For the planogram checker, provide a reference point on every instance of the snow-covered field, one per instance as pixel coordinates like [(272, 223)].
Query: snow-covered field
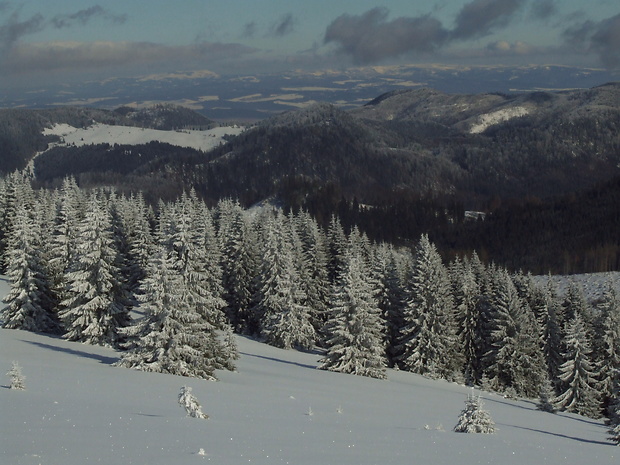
[(593, 284), (78, 409), (128, 135)]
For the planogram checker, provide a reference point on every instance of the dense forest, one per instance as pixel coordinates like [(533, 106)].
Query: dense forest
[(167, 284)]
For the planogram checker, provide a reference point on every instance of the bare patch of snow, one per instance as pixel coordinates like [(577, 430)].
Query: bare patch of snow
[(487, 120)]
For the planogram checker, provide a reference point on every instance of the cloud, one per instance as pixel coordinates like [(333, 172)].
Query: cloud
[(14, 29), (543, 9), (284, 26), (606, 42), (370, 37), (602, 38), (479, 17), (504, 48), (249, 30), (79, 57), (84, 16)]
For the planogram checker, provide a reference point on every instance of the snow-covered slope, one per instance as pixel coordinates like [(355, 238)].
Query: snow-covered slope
[(77, 409), (499, 116), (128, 135)]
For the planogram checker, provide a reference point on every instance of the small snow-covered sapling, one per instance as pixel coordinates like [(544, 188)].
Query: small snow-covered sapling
[(17, 378), (190, 403)]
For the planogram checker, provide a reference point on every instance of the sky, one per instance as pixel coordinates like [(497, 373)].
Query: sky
[(68, 40)]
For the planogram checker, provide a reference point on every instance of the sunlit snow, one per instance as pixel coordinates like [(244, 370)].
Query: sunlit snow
[(78, 409), (485, 121), (129, 135)]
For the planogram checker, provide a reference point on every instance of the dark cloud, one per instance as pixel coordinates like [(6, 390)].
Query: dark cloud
[(14, 29), (370, 37), (606, 42), (479, 17), (543, 9), (249, 30), (83, 16), (284, 26), (601, 38)]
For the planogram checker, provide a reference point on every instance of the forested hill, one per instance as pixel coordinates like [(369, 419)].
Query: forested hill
[(408, 162), (21, 131)]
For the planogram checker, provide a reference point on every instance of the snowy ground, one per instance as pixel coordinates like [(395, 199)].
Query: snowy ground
[(128, 135), (77, 409), (593, 284), (496, 117)]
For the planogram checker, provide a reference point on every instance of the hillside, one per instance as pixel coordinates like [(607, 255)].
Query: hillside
[(77, 409)]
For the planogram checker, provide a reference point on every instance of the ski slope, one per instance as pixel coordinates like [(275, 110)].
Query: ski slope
[(277, 409)]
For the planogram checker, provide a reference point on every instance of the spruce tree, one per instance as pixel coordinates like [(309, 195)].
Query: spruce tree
[(30, 302), (284, 316), (579, 393), (17, 377), (96, 303), (427, 341), (473, 418), (354, 329), (172, 337)]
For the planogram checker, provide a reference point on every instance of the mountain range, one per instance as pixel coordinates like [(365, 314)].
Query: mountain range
[(418, 150)]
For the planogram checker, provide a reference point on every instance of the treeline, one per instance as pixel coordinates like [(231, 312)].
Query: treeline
[(80, 261)]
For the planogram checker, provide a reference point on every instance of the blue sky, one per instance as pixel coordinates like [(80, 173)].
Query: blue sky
[(71, 39)]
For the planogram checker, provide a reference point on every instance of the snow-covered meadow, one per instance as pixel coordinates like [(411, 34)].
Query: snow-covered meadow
[(277, 408), (129, 135)]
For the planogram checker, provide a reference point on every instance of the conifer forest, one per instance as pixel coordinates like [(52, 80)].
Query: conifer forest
[(168, 284)]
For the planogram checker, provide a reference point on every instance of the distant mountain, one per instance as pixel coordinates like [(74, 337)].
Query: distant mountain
[(257, 97)]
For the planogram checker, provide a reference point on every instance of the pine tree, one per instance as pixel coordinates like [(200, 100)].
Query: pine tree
[(17, 378), (579, 381), (30, 305), (473, 419), (191, 405), (285, 319), (514, 360), (354, 330), (239, 267), (427, 341), (607, 339), (172, 337), (96, 304), (545, 397), (466, 293)]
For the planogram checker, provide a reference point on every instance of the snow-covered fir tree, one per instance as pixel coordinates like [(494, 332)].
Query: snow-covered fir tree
[(514, 360), (238, 265), (95, 306), (172, 337), (30, 303), (284, 316), (546, 396), (466, 292), (355, 329), (473, 418), (579, 394), (191, 405), (607, 342), (18, 380), (427, 342)]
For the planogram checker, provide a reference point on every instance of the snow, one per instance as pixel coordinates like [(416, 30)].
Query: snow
[(78, 409), (129, 135), (593, 284), (485, 121)]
